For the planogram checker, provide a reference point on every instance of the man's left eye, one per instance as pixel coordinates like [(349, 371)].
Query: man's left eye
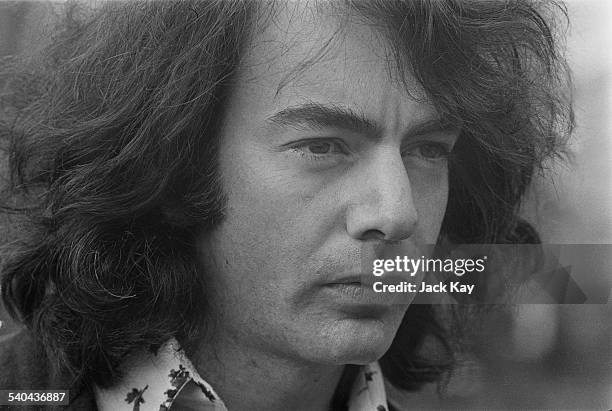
[(430, 151)]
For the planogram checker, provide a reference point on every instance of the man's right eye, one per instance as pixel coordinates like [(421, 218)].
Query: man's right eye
[(320, 149)]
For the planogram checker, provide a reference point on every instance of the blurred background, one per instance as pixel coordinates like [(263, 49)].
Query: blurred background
[(528, 356)]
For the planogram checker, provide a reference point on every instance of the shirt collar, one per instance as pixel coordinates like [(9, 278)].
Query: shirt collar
[(167, 380)]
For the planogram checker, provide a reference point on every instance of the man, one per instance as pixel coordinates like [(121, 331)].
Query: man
[(206, 180)]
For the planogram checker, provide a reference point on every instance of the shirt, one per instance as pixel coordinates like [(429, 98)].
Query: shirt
[(167, 380)]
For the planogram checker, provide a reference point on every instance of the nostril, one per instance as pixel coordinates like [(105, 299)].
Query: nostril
[(373, 235)]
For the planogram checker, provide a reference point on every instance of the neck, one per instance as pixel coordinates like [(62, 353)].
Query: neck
[(247, 379)]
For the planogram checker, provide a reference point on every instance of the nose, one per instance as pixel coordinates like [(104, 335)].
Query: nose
[(383, 207)]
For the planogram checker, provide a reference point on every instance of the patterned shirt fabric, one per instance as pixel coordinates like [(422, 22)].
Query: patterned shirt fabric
[(168, 381)]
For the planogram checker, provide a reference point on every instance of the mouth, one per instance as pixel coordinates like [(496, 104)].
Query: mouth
[(356, 300), (356, 292), (367, 280), (349, 280), (355, 280), (362, 293)]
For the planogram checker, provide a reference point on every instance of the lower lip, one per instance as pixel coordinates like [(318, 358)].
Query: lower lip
[(357, 294)]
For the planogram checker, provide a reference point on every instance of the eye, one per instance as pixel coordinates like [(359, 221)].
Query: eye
[(430, 151), (320, 148)]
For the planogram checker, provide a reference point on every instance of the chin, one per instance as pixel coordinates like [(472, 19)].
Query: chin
[(358, 342)]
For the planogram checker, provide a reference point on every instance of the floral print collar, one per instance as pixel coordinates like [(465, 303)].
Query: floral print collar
[(168, 381)]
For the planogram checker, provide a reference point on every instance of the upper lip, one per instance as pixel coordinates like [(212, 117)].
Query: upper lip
[(347, 280), (353, 279), (367, 279)]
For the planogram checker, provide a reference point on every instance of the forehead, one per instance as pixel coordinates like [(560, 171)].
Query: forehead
[(323, 53)]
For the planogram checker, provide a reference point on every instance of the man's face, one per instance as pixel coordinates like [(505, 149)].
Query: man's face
[(323, 158)]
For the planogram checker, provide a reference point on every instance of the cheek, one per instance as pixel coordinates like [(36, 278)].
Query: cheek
[(260, 211), (430, 195)]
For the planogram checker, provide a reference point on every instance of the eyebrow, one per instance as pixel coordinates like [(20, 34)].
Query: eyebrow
[(317, 116)]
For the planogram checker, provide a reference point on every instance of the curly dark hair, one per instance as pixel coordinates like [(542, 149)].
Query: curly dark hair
[(111, 132)]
